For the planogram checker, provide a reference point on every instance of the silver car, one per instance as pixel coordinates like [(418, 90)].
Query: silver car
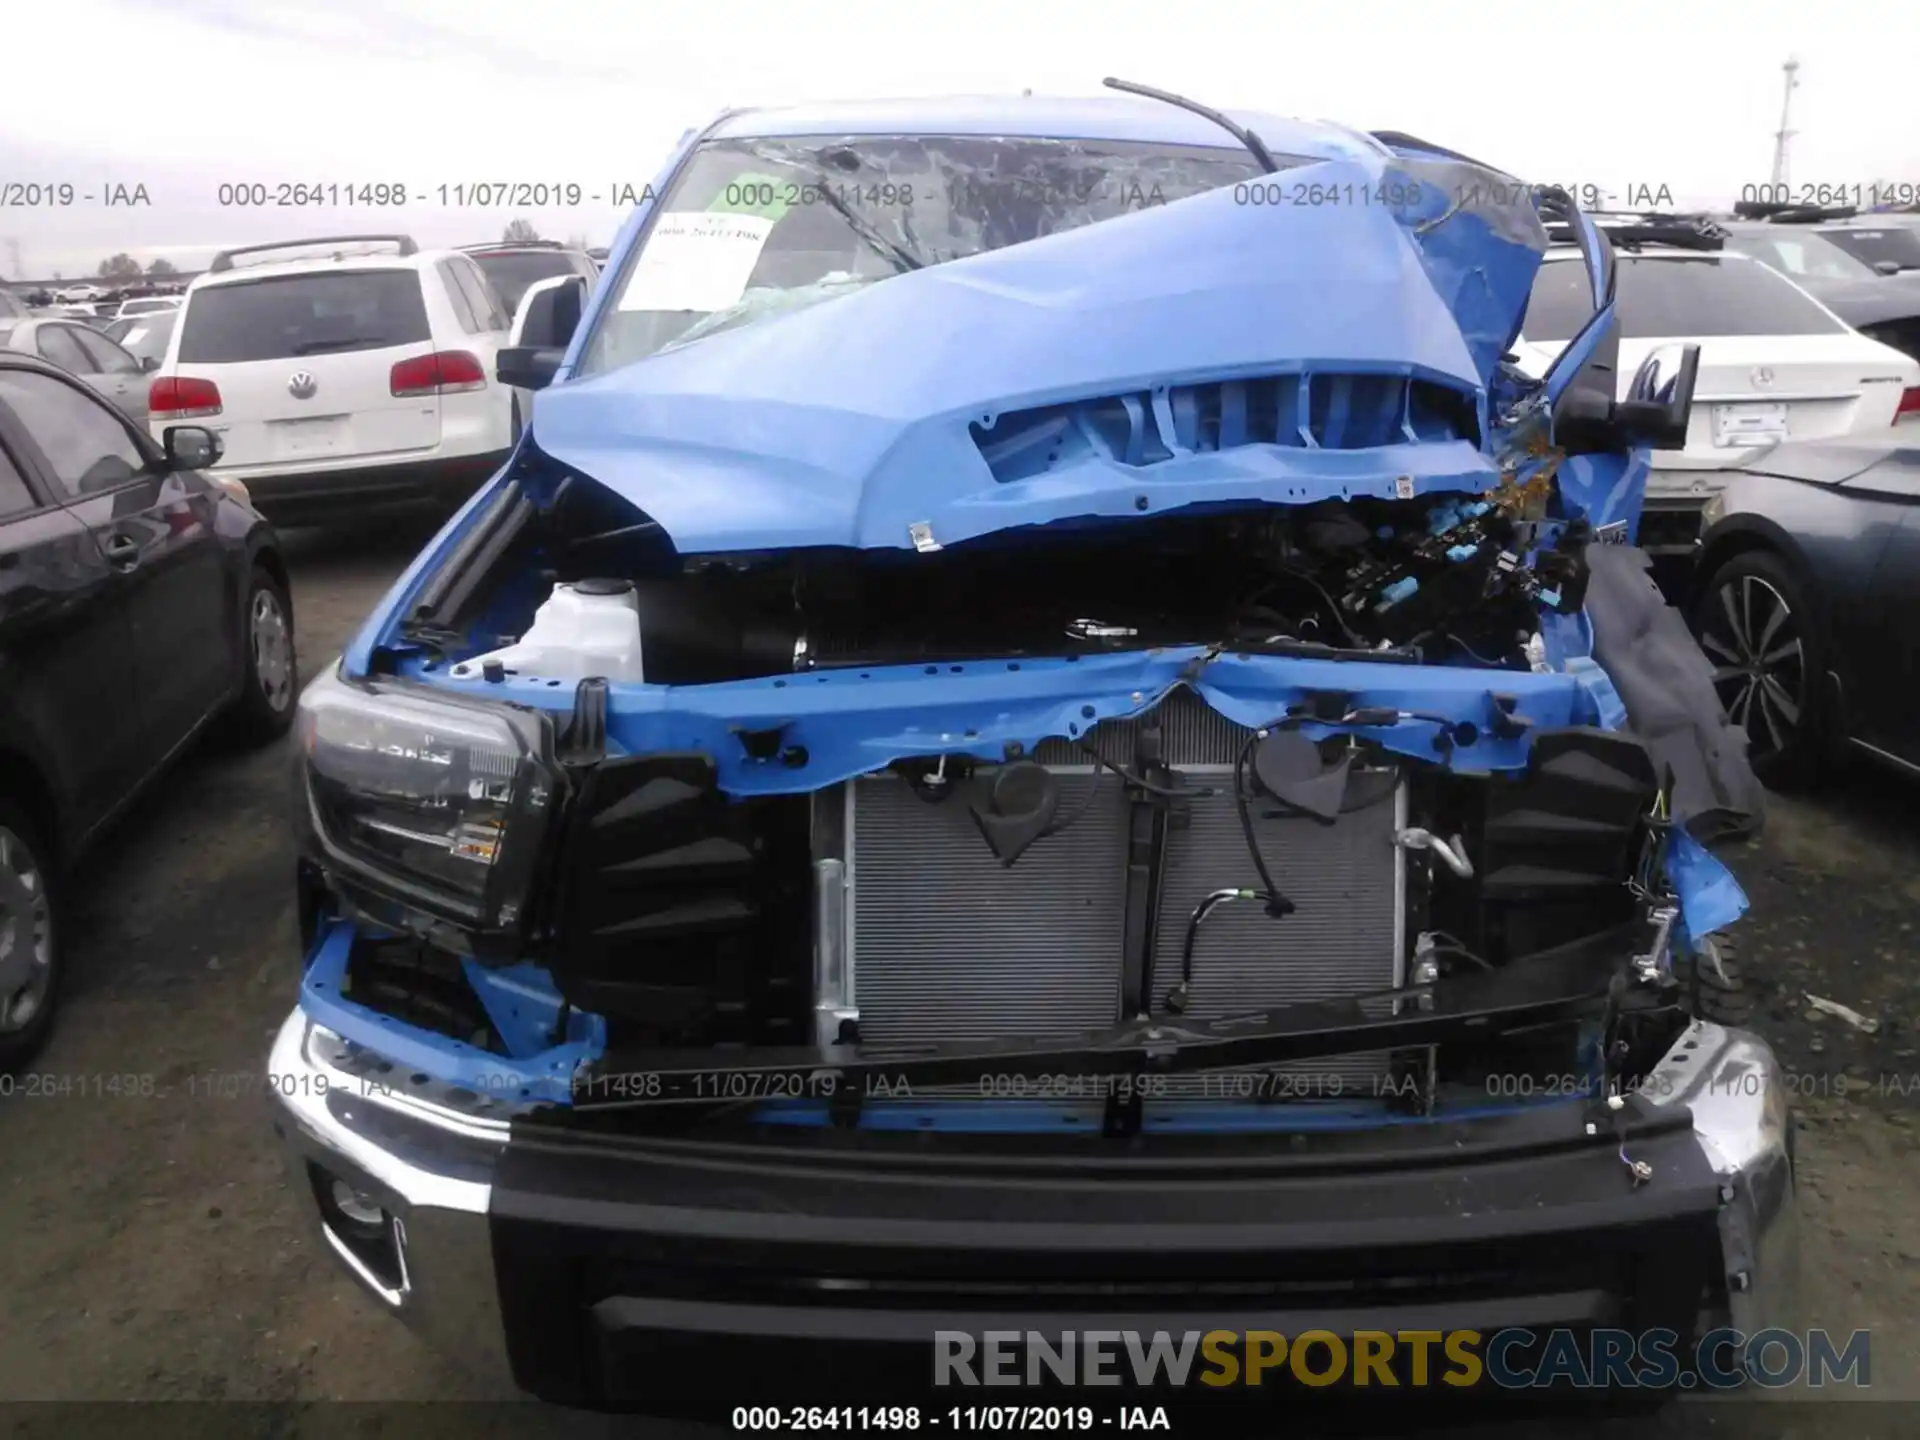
[(75, 346)]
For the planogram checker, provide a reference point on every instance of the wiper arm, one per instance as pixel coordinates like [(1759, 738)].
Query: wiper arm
[(1255, 145), (872, 237)]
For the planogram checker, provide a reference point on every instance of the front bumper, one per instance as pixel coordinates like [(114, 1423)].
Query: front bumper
[(601, 1270)]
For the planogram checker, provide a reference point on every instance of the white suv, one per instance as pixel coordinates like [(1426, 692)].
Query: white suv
[(360, 376)]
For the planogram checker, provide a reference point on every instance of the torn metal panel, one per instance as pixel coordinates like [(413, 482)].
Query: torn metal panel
[(1666, 684)]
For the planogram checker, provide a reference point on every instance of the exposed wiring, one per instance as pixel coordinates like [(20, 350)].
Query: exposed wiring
[(1177, 996), (1277, 903), (1140, 781)]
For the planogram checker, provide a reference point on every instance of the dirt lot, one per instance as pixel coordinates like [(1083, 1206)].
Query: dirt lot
[(153, 1251)]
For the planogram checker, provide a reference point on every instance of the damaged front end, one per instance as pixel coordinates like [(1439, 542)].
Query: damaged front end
[(1156, 675)]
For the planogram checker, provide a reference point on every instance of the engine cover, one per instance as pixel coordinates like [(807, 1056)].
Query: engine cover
[(925, 936)]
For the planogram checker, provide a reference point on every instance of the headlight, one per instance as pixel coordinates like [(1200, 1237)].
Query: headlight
[(446, 803)]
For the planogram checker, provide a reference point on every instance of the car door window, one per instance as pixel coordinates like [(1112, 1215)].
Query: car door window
[(108, 358), (86, 445), (57, 343), (15, 497), (481, 295), (457, 296)]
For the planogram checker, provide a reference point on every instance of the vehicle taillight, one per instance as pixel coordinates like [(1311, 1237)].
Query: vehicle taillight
[(444, 372), (1909, 404), (175, 397)]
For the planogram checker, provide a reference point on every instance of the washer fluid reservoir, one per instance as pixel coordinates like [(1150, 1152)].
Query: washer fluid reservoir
[(588, 628)]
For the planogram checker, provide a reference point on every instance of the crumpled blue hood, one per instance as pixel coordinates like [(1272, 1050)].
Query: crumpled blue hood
[(853, 423)]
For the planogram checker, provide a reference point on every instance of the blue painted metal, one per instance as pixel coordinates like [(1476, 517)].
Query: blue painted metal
[(545, 1074), (1710, 898), (841, 723)]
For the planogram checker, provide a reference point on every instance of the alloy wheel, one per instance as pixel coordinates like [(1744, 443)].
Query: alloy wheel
[(272, 649), (1753, 638), (26, 934)]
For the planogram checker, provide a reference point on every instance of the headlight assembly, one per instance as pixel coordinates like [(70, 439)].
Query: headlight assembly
[(444, 803)]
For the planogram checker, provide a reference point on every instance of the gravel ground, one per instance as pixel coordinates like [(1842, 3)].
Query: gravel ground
[(154, 1251)]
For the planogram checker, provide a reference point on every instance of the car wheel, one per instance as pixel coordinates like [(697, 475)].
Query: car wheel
[(1715, 984), (1754, 623), (29, 941), (271, 685)]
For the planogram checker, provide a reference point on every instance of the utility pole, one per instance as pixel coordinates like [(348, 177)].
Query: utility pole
[(1783, 134), (13, 257)]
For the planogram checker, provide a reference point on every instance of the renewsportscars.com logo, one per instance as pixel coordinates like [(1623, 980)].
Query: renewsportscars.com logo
[(1461, 1359)]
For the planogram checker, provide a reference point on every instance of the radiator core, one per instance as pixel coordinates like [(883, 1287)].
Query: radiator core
[(938, 941)]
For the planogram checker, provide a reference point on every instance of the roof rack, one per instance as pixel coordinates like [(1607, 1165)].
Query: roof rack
[(224, 260), (1788, 214), (1629, 230), (513, 245)]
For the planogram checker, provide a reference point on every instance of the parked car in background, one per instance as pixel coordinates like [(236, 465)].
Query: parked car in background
[(1889, 243), (512, 266), (78, 294), (140, 600), (146, 305), (1881, 306), (1807, 601), (144, 336), (82, 350), (358, 376), (1775, 364)]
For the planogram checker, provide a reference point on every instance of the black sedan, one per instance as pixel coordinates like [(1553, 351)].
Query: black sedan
[(140, 601), (1807, 601)]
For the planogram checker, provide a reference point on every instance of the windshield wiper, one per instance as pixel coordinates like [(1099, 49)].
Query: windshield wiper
[(1256, 147), (872, 237), (314, 347)]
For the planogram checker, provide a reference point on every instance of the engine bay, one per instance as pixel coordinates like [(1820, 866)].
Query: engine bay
[(1444, 578)]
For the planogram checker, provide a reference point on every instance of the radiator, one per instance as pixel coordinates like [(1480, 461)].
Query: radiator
[(925, 937)]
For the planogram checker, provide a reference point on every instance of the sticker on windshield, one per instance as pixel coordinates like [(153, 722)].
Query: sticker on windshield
[(695, 260)]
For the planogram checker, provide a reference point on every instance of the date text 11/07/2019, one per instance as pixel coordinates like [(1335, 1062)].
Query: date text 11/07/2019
[(659, 1087), (456, 195)]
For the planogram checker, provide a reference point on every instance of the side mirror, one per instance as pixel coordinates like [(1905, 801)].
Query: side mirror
[(1656, 412), (543, 327), (1886, 267), (1659, 403), (149, 363), (191, 447)]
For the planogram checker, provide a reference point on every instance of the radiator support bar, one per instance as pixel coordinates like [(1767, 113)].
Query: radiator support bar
[(1564, 982)]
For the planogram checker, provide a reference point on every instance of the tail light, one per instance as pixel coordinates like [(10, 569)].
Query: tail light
[(445, 372), (1909, 404), (175, 397)]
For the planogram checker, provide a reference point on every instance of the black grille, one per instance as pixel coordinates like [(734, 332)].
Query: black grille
[(683, 911)]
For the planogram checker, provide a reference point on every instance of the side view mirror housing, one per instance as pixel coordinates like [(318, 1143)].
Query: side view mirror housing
[(149, 363), (191, 447), (1656, 412), (543, 327), (1886, 267)]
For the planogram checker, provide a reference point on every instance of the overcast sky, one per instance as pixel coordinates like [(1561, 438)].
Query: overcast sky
[(183, 95)]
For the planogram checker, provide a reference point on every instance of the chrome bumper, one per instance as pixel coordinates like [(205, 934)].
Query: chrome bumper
[(1737, 1091), (426, 1156)]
